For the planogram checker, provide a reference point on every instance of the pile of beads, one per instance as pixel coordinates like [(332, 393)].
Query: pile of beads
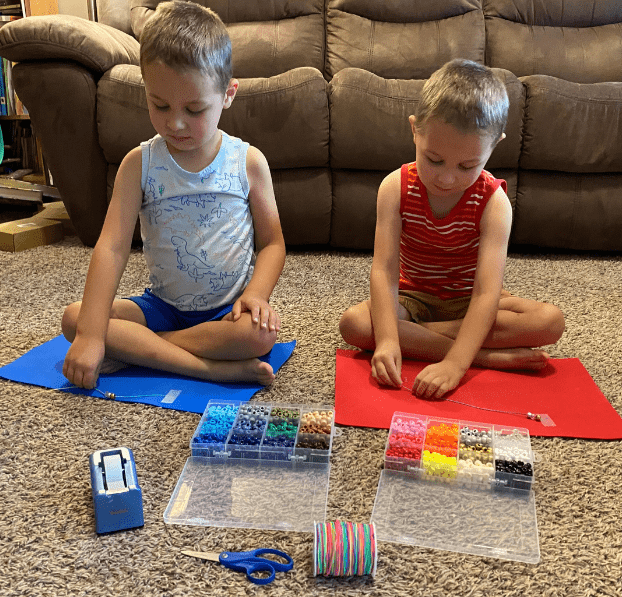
[(315, 428), (217, 424), (406, 438), (439, 465), (514, 467), (315, 441), (475, 464), (478, 454), (250, 424), (317, 421), (442, 438), (440, 454), (344, 549), (255, 430), (282, 427)]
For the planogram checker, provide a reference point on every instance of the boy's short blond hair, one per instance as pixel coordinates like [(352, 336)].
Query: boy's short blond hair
[(182, 34), (467, 95)]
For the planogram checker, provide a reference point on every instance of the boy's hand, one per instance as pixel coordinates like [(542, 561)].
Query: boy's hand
[(82, 362), (437, 379), (386, 364), (261, 312)]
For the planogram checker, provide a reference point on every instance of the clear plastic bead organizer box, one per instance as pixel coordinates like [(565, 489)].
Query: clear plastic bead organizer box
[(460, 486), (256, 465)]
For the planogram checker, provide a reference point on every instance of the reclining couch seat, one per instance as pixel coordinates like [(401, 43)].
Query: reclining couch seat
[(326, 88)]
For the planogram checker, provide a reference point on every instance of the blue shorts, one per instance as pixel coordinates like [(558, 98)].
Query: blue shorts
[(162, 317)]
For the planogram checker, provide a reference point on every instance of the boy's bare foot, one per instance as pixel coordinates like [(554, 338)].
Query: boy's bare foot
[(512, 358), (111, 366), (252, 370)]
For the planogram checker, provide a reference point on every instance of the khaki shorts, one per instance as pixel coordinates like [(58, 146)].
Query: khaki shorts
[(427, 307)]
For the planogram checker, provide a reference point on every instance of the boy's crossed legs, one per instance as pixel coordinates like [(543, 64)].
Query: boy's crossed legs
[(221, 351), (521, 325)]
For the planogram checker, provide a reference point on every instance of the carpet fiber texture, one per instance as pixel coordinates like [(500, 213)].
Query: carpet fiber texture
[(48, 544)]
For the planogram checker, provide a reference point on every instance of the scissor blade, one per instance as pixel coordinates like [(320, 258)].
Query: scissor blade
[(204, 555)]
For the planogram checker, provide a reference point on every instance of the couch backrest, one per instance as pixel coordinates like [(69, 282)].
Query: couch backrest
[(573, 40), (268, 38), (402, 39), (115, 13)]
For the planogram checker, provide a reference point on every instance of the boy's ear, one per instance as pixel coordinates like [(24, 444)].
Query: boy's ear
[(412, 119), (232, 89)]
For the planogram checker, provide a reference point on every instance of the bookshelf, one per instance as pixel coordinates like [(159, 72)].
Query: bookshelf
[(21, 157)]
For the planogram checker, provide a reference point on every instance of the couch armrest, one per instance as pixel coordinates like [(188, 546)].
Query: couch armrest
[(95, 46)]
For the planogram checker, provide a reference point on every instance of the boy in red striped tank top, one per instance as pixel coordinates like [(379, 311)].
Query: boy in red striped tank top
[(442, 231)]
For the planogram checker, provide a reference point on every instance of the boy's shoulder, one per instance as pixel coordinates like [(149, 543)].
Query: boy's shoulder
[(133, 158)]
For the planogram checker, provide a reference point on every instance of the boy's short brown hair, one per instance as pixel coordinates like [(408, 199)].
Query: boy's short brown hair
[(467, 95), (182, 34)]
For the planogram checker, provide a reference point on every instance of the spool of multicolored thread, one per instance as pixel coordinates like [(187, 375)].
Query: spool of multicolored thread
[(344, 548)]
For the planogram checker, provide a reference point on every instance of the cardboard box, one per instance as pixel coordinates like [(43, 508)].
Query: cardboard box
[(56, 211), (28, 233)]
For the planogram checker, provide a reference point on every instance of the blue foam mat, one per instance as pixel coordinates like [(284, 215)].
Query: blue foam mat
[(43, 366)]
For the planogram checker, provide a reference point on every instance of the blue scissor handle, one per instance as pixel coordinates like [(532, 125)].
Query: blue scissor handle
[(251, 562)]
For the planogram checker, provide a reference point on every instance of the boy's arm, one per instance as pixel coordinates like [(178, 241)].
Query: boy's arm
[(438, 378), (85, 355), (269, 245), (384, 281)]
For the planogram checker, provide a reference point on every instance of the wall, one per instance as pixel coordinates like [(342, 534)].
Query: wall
[(73, 7)]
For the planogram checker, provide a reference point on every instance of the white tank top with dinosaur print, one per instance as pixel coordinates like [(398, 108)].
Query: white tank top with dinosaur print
[(197, 228)]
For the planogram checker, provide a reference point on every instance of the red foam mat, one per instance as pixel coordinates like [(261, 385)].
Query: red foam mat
[(563, 389)]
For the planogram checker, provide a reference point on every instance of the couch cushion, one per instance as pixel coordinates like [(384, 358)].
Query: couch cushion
[(394, 40), (572, 127), (574, 40), (570, 211), (369, 128), (267, 38), (354, 208), (285, 116)]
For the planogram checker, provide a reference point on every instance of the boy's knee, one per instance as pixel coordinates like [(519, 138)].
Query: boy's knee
[(263, 342), (354, 330), (347, 326), (70, 320), (554, 323)]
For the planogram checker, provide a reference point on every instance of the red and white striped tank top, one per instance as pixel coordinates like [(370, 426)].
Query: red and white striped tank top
[(438, 256)]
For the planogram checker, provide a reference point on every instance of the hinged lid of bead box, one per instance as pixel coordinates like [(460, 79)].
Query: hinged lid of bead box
[(256, 465), (460, 486)]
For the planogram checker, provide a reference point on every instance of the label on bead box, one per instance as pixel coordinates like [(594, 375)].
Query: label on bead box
[(546, 420)]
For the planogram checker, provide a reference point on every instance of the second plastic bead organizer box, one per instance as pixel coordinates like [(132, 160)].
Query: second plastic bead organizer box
[(464, 452), (254, 430), (460, 486)]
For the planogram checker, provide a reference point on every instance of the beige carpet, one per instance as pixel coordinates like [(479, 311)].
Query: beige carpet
[(48, 545)]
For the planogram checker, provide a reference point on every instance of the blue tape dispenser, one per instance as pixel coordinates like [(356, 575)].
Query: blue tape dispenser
[(117, 498)]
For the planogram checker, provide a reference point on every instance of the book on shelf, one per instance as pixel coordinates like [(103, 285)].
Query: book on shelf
[(3, 108), (10, 104)]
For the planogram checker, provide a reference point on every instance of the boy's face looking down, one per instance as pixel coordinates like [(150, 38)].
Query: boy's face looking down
[(185, 107), (449, 160)]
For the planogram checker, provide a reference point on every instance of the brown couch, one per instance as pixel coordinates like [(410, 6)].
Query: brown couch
[(326, 87)]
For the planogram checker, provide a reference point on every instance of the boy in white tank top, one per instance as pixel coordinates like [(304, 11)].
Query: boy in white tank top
[(211, 231)]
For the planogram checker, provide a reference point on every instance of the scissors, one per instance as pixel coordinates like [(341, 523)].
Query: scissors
[(248, 561)]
